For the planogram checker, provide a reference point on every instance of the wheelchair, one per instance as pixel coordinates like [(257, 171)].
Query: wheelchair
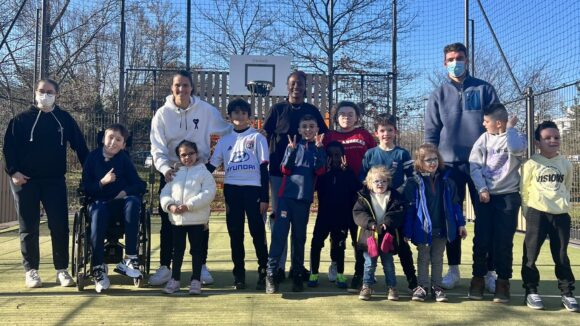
[(81, 248)]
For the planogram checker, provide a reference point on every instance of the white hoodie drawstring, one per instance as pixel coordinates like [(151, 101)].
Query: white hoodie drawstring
[(181, 118), (34, 126), (61, 130)]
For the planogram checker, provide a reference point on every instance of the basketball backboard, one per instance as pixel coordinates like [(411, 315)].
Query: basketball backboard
[(246, 68)]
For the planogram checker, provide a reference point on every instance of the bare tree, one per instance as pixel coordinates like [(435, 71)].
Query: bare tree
[(152, 42), (333, 36), (234, 27)]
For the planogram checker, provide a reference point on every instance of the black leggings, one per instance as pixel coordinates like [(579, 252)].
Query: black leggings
[(195, 235)]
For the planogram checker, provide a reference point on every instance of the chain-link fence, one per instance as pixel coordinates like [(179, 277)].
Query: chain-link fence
[(516, 46)]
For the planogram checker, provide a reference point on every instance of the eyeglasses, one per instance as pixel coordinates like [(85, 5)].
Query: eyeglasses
[(42, 91), (431, 160), (189, 154)]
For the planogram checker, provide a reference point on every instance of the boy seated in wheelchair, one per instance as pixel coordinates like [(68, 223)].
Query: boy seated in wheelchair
[(111, 181)]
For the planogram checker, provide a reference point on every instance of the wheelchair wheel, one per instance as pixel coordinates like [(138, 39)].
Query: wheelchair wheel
[(148, 233), (73, 247), (79, 254), (144, 247)]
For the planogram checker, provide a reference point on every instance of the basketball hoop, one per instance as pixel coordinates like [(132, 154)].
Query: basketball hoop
[(259, 87)]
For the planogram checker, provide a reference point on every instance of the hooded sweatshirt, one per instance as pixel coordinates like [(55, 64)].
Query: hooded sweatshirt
[(495, 162), (171, 125), (454, 117), (35, 143)]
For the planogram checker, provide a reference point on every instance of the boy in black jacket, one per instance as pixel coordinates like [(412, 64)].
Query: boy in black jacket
[(337, 190)]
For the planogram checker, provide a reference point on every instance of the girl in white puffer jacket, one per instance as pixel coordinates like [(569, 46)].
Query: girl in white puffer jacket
[(187, 199)]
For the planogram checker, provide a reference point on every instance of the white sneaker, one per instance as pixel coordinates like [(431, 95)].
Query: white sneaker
[(206, 278), (452, 278), (490, 279), (332, 272), (195, 287), (172, 286), (101, 279), (161, 276), (129, 267), (32, 279), (64, 278)]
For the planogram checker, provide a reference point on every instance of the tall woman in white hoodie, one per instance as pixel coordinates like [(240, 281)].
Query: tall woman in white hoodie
[(183, 116), (187, 199)]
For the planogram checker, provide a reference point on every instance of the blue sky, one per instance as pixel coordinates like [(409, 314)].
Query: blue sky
[(531, 33)]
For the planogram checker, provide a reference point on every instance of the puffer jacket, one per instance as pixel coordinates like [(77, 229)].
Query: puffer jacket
[(192, 186), (365, 217)]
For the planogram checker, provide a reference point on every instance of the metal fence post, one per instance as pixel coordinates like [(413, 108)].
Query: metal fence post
[(530, 119)]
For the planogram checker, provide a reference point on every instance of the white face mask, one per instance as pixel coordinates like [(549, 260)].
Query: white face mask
[(45, 101)]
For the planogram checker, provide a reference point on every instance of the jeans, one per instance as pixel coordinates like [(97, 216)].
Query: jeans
[(102, 212), (275, 184), (495, 226), (290, 213), (430, 256), (388, 268), (557, 227)]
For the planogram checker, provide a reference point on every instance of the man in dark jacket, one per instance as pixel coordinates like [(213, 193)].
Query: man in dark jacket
[(35, 148)]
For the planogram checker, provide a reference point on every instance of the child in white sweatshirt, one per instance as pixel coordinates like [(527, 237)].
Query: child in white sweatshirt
[(187, 199)]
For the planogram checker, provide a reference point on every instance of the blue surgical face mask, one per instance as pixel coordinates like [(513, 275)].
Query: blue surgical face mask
[(456, 68)]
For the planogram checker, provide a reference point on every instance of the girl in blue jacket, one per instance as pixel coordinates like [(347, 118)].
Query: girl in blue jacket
[(434, 218)]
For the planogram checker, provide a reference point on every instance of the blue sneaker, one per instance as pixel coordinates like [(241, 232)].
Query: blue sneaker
[(313, 281)]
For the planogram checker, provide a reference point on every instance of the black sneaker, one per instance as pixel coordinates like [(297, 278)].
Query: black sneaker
[(534, 301), (476, 288), (570, 302), (419, 294), (261, 285), (305, 274), (438, 294), (271, 286), (280, 276), (355, 284), (297, 283), (239, 284)]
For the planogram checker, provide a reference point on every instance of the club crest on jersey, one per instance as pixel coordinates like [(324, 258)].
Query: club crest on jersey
[(249, 144)]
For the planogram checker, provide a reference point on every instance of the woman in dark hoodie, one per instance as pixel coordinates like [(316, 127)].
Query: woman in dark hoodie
[(35, 151)]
